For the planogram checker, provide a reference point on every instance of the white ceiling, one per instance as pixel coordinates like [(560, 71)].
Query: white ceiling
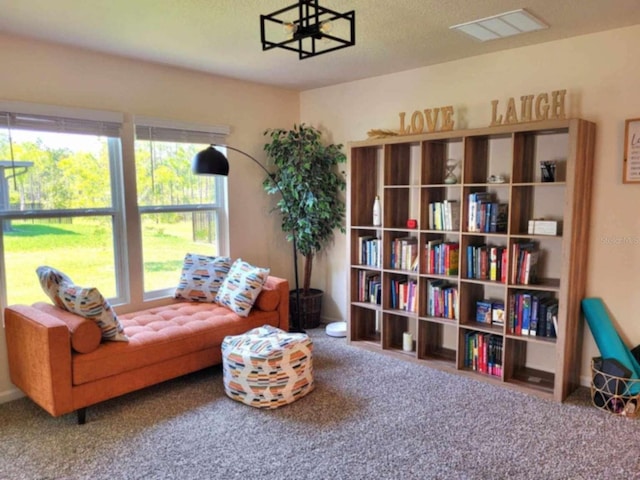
[(223, 36)]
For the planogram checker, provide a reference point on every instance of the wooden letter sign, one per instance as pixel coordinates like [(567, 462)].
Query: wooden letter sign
[(428, 118), (533, 108)]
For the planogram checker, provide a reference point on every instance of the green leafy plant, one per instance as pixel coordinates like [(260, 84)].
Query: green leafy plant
[(306, 170)]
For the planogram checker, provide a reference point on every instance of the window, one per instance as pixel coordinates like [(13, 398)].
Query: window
[(60, 201), (65, 201), (179, 212)]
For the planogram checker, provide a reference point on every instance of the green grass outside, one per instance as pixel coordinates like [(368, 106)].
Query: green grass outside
[(84, 251)]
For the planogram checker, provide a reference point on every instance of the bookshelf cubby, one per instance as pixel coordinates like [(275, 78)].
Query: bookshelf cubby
[(501, 266)]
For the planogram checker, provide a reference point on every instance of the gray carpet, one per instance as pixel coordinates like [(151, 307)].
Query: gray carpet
[(371, 416)]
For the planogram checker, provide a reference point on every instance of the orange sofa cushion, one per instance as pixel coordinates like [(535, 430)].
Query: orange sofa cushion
[(163, 333)]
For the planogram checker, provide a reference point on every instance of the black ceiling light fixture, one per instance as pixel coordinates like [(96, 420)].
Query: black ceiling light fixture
[(314, 30)]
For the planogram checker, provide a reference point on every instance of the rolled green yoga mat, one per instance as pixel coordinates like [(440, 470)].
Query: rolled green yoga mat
[(608, 340)]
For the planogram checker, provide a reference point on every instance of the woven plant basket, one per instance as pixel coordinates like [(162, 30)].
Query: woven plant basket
[(310, 307)]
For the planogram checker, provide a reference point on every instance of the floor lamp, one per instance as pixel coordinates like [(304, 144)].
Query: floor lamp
[(213, 162)]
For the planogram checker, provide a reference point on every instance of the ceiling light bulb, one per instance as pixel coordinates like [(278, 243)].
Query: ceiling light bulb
[(289, 28), (326, 27)]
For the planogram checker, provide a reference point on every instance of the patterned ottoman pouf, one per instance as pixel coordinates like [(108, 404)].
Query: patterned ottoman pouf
[(267, 367)]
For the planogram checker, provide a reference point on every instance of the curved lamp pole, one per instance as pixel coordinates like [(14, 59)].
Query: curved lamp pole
[(213, 162)]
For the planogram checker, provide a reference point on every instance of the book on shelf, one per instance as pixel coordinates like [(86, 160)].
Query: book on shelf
[(499, 217), (483, 311), (493, 263), (497, 313), (504, 266), (451, 258), (530, 275), (525, 300), (436, 223), (430, 255), (552, 320), (452, 214)]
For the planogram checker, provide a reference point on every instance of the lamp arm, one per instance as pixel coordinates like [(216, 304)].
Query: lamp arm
[(269, 174), (298, 326)]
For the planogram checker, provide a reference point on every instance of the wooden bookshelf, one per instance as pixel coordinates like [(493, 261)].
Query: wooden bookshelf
[(408, 174)]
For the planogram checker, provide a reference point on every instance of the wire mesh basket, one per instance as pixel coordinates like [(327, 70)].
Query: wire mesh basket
[(613, 394)]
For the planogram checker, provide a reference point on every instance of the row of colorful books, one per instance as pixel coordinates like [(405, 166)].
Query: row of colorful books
[(404, 253), (484, 262), (444, 215), (533, 314), (524, 263), (404, 294), (487, 263), (485, 214), (441, 258), (483, 353), (442, 299), (369, 287), (370, 251)]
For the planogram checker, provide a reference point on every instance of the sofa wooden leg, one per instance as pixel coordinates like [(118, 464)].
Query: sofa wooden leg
[(82, 415)]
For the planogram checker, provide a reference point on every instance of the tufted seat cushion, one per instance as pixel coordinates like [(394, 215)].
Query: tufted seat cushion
[(164, 333)]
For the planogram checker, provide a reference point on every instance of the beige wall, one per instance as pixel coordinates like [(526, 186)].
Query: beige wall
[(44, 73), (600, 72)]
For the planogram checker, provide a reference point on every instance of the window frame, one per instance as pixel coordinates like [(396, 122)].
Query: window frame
[(53, 119)]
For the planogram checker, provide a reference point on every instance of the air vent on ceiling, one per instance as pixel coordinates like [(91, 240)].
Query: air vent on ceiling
[(502, 25)]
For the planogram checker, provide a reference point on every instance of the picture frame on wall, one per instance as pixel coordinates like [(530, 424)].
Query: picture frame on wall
[(631, 166)]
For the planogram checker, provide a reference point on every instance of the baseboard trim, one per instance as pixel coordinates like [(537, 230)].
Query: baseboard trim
[(9, 395)]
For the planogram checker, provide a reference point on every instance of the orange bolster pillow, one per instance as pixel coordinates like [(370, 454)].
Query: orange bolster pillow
[(268, 299), (85, 333)]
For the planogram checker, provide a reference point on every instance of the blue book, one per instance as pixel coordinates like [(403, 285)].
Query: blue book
[(526, 313)]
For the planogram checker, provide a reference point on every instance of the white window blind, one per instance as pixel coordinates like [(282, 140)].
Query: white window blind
[(158, 130), (47, 118)]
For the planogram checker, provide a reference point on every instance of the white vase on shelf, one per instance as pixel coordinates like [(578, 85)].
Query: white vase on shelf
[(376, 212)]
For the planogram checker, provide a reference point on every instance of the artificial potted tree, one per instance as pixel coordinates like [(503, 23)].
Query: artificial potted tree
[(307, 176)]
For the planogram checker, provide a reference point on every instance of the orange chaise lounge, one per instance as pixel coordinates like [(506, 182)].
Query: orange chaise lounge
[(58, 360)]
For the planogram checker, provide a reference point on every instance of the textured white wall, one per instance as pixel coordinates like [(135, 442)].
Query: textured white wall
[(600, 72)]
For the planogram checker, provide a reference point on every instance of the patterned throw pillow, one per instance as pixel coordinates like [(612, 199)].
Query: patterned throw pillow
[(86, 302), (50, 281), (201, 277), (241, 287)]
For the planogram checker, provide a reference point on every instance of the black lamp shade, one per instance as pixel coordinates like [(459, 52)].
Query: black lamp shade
[(210, 162)]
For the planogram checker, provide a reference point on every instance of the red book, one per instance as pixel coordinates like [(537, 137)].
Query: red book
[(503, 278)]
